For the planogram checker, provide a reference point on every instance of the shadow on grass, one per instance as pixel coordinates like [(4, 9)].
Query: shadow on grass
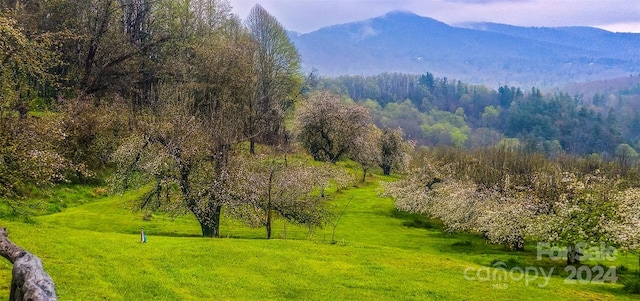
[(223, 235), (151, 233), (415, 220), (461, 243), (168, 234)]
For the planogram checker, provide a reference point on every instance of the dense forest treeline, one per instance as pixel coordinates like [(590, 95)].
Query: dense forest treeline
[(440, 111)]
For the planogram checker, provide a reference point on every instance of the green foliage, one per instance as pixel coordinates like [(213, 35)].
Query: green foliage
[(402, 115), (26, 61), (447, 134), (553, 123), (632, 285), (490, 116), (278, 81)]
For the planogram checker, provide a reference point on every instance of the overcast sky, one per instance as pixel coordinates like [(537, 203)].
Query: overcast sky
[(308, 15)]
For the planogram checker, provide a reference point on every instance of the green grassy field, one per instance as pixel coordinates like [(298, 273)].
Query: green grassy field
[(92, 252)]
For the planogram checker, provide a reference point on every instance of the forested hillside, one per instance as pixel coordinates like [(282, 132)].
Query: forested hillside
[(490, 54), (440, 111)]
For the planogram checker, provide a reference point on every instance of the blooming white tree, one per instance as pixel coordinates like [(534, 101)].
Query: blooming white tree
[(563, 209), (188, 157), (395, 152), (463, 206), (504, 219), (328, 128), (581, 215), (366, 149), (276, 189), (418, 191), (625, 229)]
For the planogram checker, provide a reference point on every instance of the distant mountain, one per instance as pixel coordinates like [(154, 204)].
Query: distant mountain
[(483, 53)]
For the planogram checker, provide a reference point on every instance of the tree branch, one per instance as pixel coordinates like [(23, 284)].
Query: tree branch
[(30, 281)]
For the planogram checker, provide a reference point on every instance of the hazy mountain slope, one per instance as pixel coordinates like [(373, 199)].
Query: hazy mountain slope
[(602, 42), (478, 53)]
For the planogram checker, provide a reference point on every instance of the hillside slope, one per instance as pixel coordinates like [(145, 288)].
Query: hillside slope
[(481, 53), (93, 252)]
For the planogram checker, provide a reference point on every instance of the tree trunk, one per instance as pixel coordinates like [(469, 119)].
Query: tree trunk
[(252, 146), (211, 226), (518, 245), (216, 222), (386, 170), (573, 254), (269, 211), (364, 174), (207, 230), (268, 225), (29, 281), (23, 109), (285, 229)]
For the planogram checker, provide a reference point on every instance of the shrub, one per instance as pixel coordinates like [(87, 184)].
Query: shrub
[(632, 284)]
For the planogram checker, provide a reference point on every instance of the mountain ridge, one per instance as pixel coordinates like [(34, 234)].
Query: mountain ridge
[(484, 53)]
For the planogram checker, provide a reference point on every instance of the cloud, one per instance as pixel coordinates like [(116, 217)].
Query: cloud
[(549, 13), (309, 15), (485, 1), (622, 27), (368, 31)]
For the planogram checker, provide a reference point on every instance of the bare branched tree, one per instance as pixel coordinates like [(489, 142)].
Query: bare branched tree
[(328, 128), (278, 78)]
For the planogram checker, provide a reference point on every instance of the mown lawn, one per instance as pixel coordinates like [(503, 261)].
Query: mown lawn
[(93, 252)]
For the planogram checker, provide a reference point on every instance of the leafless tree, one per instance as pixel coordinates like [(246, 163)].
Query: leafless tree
[(328, 127), (278, 78)]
